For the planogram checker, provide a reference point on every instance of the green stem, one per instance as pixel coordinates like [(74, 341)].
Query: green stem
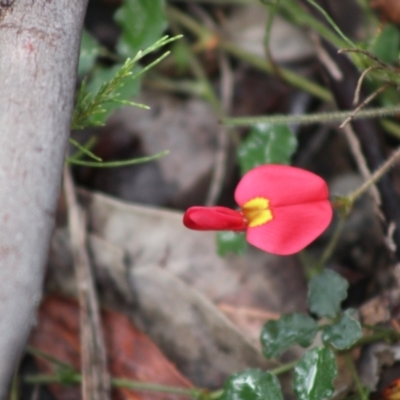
[(283, 368), (375, 177), (351, 367), (260, 63), (112, 164), (84, 149), (327, 254), (391, 127), (388, 336), (312, 118), (38, 353), (126, 383), (332, 23), (301, 17), (288, 76), (117, 382)]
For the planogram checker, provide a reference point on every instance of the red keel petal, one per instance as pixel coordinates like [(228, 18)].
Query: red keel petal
[(213, 219)]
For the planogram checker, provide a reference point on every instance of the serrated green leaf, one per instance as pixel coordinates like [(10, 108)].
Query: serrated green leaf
[(343, 333), (291, 329), (252, 384), (231, 242), (90, 50), (314, 375), (387, 44), (142, 23), (326, 291), (266, 144)]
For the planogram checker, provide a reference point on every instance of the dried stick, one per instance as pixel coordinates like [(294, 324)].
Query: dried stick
[(363, 104), (360, 82), (95, 378), (362, 165), (221, 157), (370, 137)]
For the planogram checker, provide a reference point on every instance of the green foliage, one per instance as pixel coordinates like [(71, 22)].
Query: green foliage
[(252, 384), (107, 88), (291, 329), (326, 292), (91, 110), (142, 23), (266, 144), (89, 52), (343, 333), (231, 242), (387, 44), (314, 374), (128, 90)]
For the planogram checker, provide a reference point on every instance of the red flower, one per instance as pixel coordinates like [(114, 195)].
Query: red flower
[(282, 209)]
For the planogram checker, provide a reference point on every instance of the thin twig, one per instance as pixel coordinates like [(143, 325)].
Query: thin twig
[(96, 380), (375, 176), (363, 104), (368, 54), (362, 165), (221, 156), (322, 117), (360, 82)]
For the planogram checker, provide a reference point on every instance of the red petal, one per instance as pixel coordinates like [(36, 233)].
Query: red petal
[(282, 185), (213, 219), (292, 229)]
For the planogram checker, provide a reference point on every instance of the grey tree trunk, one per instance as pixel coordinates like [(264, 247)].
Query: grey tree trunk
[(39, 47)]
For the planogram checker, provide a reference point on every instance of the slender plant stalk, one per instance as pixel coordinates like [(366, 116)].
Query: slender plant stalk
[(362, 394), (114, 164), (334, 116), (283, 368), (332, 23), (76, 378), (261, 63), (327, 254), (375, 177)]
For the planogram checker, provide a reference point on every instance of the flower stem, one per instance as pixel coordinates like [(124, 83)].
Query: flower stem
[(326, 255), (361, 390), (283, 368), (76, 378)]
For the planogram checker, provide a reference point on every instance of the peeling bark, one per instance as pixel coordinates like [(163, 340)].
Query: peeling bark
[(39, 47)]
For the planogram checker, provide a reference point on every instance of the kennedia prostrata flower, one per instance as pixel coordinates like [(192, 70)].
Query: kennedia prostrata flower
[(282, 209)]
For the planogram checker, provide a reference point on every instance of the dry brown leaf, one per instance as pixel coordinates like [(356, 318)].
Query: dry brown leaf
[(389, 10), (131, 354)]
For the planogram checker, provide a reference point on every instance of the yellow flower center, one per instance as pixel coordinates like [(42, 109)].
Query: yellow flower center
[(257, 212)]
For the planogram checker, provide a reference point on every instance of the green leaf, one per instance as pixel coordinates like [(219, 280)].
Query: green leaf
[(231, 242), (252, 384), (291, 329), (387, 44), (90, 50), (326, 291), (343, 333), (266, 144), (314, 375), (142, 23)]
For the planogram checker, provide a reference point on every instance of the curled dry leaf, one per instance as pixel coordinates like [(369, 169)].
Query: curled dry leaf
[(131, 354), (389, 10)]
